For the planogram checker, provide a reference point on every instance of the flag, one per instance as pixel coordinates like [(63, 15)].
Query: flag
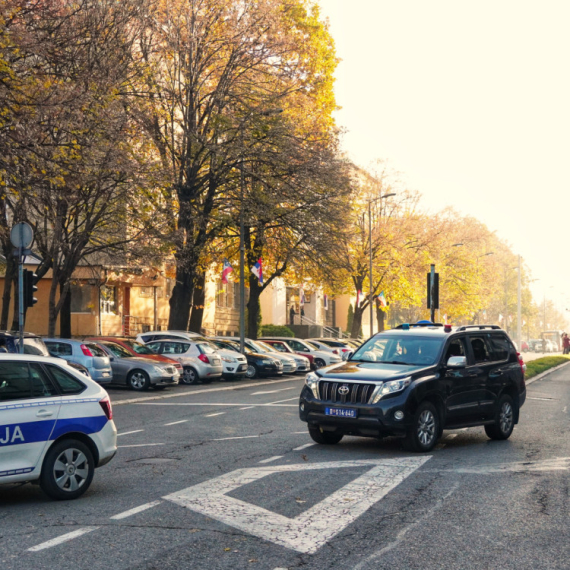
[(358, 295), (382, 300), (226, 270), (500, 318), (257, 270), (445, 319), (326, 302), (524, 323), (301, 296)]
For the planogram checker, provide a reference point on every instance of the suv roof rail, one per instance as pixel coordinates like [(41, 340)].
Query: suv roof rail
[(410, 325), (480, 327)]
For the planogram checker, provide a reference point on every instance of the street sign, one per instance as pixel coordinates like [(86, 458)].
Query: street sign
[(22, 235)]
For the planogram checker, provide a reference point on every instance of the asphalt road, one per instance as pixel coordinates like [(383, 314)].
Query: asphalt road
[(226, 477)]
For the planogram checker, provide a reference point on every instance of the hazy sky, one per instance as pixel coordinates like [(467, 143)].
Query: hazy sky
[(470, 102)]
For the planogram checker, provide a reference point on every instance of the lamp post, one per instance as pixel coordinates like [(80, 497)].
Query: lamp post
[(477, 260), (242, 226), (370, 252)]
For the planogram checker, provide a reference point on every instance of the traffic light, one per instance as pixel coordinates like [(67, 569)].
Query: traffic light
[(29, 289)]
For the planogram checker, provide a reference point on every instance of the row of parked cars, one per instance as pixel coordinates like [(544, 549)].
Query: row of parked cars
[(159, 359)]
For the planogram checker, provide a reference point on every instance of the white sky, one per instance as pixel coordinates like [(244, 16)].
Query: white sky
[(470, 102)]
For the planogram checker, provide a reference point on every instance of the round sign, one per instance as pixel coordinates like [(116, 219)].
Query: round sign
[(22, 235)]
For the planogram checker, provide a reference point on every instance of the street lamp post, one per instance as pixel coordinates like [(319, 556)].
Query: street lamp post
[(370, 252), (477, 259)]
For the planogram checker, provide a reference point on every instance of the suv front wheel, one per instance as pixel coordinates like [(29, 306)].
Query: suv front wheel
[(425, 429), (504, 419), (324, 437)]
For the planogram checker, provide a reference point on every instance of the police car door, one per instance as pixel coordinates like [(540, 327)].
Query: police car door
[(29, 407)]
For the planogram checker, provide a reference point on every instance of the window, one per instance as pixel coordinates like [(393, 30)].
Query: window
[(500, 346), (117, 350), (81, 298), (174, 348), (480, 349), (109, 304), (14, 381), (95, 350), (59, 348), (154, 346), (66, 382), (205, 348), (41, 384), (455, 348)]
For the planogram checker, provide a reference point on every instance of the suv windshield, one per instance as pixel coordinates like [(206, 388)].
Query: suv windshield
[(406, 349)]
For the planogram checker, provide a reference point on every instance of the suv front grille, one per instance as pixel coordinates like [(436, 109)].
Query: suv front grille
[(357, 393)]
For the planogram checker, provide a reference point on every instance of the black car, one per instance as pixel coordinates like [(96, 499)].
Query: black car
[(258, 364), (415, 381)]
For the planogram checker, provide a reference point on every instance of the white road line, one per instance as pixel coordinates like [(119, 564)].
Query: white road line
[(565, 408), (304, 446), (134, 511), (274, 391), (237, 437), (279, 401), (129, 432), (206, 391), (63, 538), (274, 458), (176, 423), (212, 415), (141, 445), (544, 399), (247, 408), (272, 404), (298, 432)]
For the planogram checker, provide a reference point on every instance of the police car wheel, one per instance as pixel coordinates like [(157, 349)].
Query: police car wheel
[(139, 380), (68, 470)]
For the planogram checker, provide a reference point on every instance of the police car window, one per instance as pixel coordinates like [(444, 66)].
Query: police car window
[(500, 346), (480, 349), (14, 381), (455, 348), (41, 384), (372, 351), (66, 382)]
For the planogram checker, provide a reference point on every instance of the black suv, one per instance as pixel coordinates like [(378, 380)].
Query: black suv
[(415, 381)]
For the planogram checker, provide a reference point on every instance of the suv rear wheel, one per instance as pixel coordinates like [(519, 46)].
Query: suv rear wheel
[(504, 419), (324, 437), (425, 429)]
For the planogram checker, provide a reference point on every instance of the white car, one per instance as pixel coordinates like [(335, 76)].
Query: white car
[(320, 357), (291, 363), (56, 425), (337, 346), (153, 336)]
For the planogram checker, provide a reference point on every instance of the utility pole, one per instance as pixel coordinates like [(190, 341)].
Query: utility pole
[(519, 317), (432, 292)]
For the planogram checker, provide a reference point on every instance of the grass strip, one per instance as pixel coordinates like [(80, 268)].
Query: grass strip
[(540, 365)]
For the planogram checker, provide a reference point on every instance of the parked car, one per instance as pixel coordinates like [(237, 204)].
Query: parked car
[(200, 361), (283, 347), (258, 364), (321, 357), (303, 363), (552, 345), (85, 353), (535, 345), (139, 349), (234, 364), (150, 336), (416, 381), (524, 346), (336, 346), (137, 372), (292, 363), (58, 446)]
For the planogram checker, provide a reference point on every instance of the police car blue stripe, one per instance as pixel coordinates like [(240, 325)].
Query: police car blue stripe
[(34, 432), (16, 471)]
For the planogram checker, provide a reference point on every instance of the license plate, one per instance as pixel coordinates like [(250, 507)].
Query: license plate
[(242, 367), (341, 412), (105, 374)]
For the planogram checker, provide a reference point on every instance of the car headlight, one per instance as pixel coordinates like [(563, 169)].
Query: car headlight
[(159, 370), (228, 359), (390, 388), (312, 381)]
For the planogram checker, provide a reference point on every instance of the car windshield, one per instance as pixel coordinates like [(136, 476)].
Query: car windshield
[(206, 348), (281, 347), (263, 346), (35, 346), (95, 350), (138, 347), (408, 349), (117, 350), (312, 345)]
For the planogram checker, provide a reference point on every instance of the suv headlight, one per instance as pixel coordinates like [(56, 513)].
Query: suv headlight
[(312, 381), (390, 388)]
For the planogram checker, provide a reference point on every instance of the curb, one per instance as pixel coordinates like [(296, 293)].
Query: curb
[(546, 373)]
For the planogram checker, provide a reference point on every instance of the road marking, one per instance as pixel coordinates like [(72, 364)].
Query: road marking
[(274, 391), (237, 437), (212, 415), (129, 432), (270, 459), (553, 464), (313, 528), (141, 445), (272, 404), (304, 446), (298, 432), (544, 399), (63, 538), (176, 423), (205, 391), (134, 511), (247, 408), (565, 408), (280, 401)]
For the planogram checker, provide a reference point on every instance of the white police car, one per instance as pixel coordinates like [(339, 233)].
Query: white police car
[(56, 425)]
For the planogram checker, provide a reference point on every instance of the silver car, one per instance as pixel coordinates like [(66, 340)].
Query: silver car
[(200, 360), (87, 354), (136, 371), (289, 361)]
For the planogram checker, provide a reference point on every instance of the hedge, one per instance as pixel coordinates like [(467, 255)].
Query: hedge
[(540, 365), (276, 330)]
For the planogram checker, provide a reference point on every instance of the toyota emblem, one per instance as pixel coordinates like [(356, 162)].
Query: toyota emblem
[(343, 390)]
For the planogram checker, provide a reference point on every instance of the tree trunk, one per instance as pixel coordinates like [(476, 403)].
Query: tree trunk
[(199, 300), (357, 322), (65, 313), (381, 319), (15, 315), (253, 307), (181, 299), (11, 274), (52, 307)]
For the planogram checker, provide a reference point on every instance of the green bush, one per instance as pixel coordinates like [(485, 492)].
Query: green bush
[(535, 367), (276, 330)]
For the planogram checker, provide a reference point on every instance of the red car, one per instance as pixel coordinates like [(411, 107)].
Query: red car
[(138, 349), (284, 347)]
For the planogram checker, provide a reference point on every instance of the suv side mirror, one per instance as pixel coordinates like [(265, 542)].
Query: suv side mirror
[(457, 362)]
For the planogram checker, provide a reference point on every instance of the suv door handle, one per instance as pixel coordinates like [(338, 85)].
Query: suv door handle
[(44, 414)]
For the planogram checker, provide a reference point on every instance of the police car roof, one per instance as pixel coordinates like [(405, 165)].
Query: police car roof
[(436, 329), (31, 357)]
